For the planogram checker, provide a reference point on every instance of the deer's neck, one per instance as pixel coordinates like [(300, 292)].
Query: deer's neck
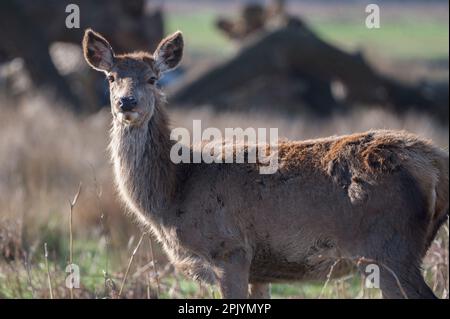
[(144, 173)]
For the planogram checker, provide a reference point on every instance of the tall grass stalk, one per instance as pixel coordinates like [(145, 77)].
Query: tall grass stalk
[(155, 269), (72, 205), (49, 279), (129, 264)]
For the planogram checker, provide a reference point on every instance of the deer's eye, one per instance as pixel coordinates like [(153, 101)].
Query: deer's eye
[(110, 78), (152, 80)]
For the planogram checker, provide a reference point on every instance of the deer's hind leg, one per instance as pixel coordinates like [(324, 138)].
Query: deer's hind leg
[(398, 281), (410, 285), (393, 233), (398, 260)]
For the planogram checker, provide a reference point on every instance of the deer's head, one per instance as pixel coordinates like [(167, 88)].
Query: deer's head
[(132, 77)]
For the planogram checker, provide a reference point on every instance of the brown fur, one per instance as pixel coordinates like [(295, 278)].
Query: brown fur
[(380, 195)]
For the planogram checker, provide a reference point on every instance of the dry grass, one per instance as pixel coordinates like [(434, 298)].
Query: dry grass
[(45, 153)]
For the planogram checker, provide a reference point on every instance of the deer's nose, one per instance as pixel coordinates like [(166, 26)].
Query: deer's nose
[(126, 104)]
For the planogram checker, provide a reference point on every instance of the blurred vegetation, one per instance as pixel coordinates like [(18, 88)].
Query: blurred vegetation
[(403, 39), (412, 38)]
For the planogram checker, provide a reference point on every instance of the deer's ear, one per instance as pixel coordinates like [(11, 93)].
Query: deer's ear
[(169, 52), (97, 51)]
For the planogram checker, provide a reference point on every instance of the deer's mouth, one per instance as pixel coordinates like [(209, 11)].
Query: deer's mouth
[(127, 117)]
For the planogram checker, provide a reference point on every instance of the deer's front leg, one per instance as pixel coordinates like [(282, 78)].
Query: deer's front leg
[(233, 274), (259, 291)]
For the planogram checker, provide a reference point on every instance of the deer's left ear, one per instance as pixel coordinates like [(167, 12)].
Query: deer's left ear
[(169, 52), (97, 51)]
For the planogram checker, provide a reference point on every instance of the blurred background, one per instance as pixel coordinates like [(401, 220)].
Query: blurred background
[(309, 68)]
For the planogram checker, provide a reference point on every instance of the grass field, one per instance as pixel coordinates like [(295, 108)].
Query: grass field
[(402, 40), (408, 36)]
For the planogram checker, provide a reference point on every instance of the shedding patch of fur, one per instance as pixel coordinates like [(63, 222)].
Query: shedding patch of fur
[(355, 162)]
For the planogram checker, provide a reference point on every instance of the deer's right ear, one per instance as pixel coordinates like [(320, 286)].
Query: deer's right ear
[(97, 51), (169, 52)]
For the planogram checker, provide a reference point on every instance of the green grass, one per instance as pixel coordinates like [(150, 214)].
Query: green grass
[(200, 34), (90, 256), (404, 39), (350, 288), (340, 288)]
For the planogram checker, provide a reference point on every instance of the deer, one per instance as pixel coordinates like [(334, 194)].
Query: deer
[(379, 196)]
